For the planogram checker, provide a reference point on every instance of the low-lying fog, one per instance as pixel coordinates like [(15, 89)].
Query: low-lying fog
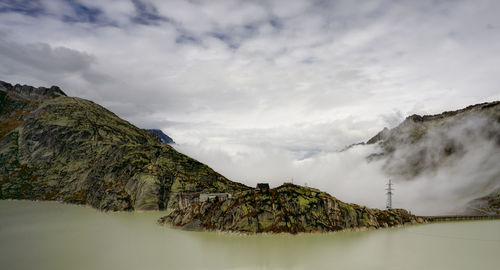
[(443, 189)]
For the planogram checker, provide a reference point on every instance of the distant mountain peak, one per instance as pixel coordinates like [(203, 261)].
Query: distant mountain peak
[(481, 108), (162, 137)]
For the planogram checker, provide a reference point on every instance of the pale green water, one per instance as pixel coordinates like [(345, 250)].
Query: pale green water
[(49, 235)]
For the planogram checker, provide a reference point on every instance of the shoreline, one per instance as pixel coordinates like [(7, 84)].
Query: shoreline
[(426, 220)]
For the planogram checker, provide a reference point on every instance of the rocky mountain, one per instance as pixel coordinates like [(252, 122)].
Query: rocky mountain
[(162, 137), (288, 208), (462, 145), (54, 147)]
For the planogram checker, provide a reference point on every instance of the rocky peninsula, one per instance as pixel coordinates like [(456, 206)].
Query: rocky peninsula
[(289, 208)]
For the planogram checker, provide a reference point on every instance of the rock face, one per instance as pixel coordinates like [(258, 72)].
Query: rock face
[(54, 147), (288, 208), (162, 137), (487, 205), (494, 202), (18, 100), (435, 138), (430, 144)]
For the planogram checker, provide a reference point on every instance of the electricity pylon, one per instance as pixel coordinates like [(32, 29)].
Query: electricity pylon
[(389, 195)]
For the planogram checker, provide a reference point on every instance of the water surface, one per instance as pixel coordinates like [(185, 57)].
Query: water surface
[(50, 235)]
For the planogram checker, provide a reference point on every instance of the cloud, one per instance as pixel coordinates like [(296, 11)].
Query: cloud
[(147, 13), (27, 7), (393, 118), (43, 56), (345, 175), (42, 62)]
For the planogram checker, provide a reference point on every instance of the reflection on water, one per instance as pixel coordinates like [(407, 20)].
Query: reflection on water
[(49, 235)]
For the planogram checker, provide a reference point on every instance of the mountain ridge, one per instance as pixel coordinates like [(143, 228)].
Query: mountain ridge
[(433, 117), (72, 150), (421, 146)]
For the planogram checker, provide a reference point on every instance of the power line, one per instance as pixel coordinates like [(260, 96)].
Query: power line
[(455, 237)]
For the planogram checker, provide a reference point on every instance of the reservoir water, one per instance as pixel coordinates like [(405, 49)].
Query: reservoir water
[(50, 235)]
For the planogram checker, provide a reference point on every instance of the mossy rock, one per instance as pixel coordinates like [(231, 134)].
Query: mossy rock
[(288, 208), (85, 154)]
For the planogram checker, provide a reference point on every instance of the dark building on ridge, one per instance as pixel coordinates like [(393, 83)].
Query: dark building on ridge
[(263, 187)]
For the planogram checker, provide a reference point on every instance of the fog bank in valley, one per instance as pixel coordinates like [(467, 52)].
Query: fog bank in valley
[(445, 182)]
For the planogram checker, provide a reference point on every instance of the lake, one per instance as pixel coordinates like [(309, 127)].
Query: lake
[(51, 235)]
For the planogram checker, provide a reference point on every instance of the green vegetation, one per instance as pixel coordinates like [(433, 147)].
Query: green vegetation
[(54, 147), (288, 208)]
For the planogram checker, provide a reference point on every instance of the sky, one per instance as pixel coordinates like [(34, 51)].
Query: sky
[(254, 88)]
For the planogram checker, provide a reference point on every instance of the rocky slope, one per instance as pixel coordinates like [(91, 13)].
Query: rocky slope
[(464, 144), (487, 205), (288, 208), (54, 147), (416, 129)]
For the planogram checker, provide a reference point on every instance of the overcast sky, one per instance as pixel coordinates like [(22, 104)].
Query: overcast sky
[(232, 79)]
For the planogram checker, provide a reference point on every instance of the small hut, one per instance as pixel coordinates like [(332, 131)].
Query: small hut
[(262, 187)]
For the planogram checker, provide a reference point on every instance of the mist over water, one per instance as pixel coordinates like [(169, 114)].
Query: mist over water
[(445, 182)]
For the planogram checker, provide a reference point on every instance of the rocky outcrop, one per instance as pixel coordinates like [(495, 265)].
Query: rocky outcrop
[(487, 205), (16, 101), (494, 202), (54, 147), (288, 208)]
